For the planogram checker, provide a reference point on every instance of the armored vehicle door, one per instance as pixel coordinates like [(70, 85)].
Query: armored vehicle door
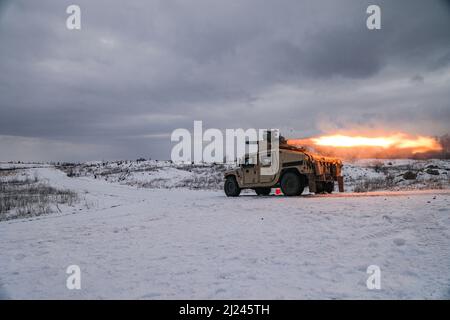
[(250, 169), (267, 160)]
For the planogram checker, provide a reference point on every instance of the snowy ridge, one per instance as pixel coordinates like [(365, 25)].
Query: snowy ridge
[(360, 175), (396, 174), (151, 173)]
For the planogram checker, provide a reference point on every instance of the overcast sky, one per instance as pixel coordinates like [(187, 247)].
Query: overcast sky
[(137, 70)]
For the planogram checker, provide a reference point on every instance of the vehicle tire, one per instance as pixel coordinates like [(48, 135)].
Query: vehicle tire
[(263, 191), (231, 187), (329, 187), (291, 184), (320, 187)]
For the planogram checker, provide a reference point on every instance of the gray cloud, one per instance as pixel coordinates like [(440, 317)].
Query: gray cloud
[(138, 70)]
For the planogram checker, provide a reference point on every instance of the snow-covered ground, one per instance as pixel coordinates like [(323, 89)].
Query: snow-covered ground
[(149, 243)]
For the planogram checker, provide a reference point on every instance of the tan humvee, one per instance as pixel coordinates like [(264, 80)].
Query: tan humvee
[(297, 169)]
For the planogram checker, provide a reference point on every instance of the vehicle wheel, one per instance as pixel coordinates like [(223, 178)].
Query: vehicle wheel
[(291, 184), (231, 187), (263, 191), (320, 187), (329, 187)]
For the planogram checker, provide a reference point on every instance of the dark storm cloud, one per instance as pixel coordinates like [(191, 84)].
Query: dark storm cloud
[(137, 70)]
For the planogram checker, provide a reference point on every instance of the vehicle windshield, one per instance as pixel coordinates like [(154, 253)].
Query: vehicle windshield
[(248, 160)]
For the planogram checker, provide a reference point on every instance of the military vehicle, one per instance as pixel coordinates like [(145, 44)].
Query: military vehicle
[(297, 169)]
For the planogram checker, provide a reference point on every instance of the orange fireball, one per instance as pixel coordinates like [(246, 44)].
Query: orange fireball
[(400, 141), (400, 144)]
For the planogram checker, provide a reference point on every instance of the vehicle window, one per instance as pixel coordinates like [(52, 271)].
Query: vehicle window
[(249, 160)]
